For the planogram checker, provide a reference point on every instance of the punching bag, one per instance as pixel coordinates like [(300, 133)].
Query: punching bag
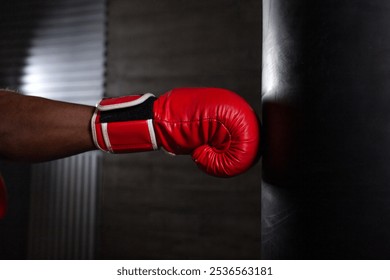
[(326, 117)]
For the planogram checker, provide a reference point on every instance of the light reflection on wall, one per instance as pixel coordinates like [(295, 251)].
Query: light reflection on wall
[(66, 57)]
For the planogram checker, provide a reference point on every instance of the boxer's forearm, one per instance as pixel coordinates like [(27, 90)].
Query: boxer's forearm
[(38, 129)]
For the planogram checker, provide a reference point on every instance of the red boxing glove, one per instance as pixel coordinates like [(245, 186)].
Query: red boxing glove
[(3, 198), (216, 126)]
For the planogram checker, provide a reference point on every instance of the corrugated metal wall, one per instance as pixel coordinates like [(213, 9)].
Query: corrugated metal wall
[(66, 55), (63, 208), (65, 61)]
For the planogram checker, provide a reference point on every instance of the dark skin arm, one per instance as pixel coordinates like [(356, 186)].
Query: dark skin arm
[(34, 129)]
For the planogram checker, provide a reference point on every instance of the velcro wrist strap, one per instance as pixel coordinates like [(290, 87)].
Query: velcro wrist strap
[(124, 124)]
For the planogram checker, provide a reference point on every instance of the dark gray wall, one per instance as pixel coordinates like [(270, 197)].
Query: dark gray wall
[(155, 206)]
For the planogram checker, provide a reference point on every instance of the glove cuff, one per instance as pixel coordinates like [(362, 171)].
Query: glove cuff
[(124, 124)]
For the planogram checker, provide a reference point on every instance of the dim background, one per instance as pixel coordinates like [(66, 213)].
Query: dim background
[(133, 206)]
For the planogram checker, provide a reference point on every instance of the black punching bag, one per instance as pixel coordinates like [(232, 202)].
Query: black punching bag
[(326, 116)]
